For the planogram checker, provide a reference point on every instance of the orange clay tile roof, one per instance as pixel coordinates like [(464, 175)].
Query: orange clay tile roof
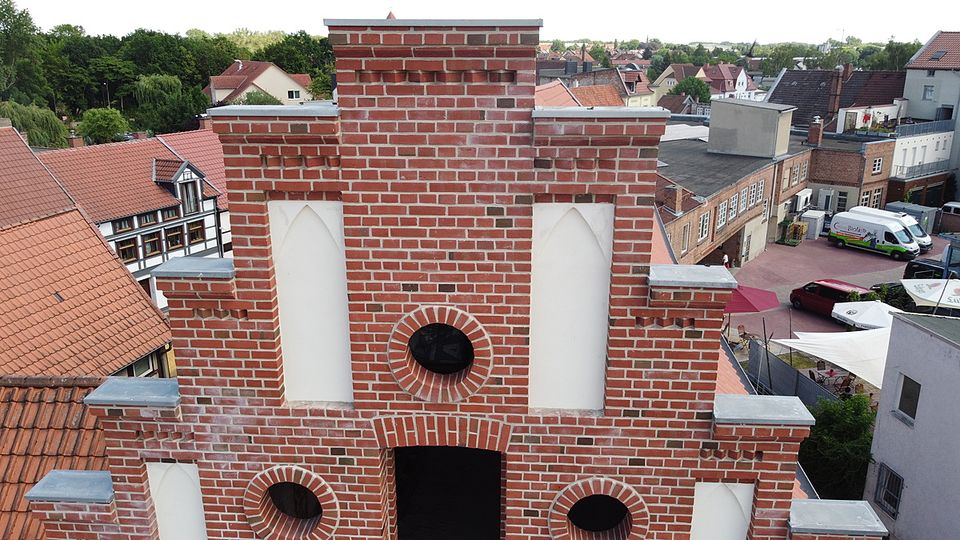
[(303, 79), (554, 94), (67, 304), (28, 190), (43, 425), (114, 180), (601, 95), (202, 148), (946, 42), (164, 170)]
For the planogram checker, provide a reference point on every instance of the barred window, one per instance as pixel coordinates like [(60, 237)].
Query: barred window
[(889, 489)]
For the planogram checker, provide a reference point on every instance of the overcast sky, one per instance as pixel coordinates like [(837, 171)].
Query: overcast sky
[(811, 21)]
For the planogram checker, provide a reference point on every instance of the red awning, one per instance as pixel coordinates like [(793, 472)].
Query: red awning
[(751, 300)]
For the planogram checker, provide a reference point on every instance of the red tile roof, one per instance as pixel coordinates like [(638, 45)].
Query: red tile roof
[(302, 79), (683, 71), (28, 189), (43, 425), (948, 43), (602, 95), (67, 304), (165, 170), (202, 148), (239, 76), (674, 103), (554, 94)]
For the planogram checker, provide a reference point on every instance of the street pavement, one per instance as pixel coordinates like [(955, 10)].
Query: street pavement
[(783, 268)]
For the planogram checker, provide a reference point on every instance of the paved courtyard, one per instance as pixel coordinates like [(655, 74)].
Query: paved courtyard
[(783, 268)]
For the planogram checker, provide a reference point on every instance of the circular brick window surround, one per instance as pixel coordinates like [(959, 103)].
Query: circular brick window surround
[(598, 509), (430, 385), (279, 505)]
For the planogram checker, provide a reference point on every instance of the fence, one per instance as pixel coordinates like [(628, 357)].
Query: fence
[(913, 171), (771, 375), (907, 130)]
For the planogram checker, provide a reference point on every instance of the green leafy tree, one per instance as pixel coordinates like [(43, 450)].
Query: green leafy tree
[(631, 44), (17, 41), (258, 98), (298, 53), (693, 87), (165, 106), (250, 40), (213, 55), (893, 57), (700, 56), (102, 125), (157, 53), (557, 46), (321, 85), (837, 453), (39, 124), (600, 54)]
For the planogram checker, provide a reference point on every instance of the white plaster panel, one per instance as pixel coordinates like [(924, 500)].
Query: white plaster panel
[(721, 511), (308, 254), (569, 304), (175, 490)]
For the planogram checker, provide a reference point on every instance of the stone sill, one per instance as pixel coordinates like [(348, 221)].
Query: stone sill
[(136, 392)]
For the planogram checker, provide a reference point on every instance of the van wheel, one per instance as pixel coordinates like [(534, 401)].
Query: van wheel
[(841, 244), (796, 303), (896, 255)]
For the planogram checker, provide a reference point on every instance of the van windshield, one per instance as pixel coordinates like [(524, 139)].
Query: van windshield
[(916, 231), (902, 236)]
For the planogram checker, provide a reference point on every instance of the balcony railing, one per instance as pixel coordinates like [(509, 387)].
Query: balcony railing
[(909, 130), (913, 171)]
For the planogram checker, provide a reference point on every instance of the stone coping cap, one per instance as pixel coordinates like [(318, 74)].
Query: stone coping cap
[(73, 487), (433, 22), (195, 267), (766, 410), (600, 112), (691, 276), (320, 108), (135, 392), (848, 518)]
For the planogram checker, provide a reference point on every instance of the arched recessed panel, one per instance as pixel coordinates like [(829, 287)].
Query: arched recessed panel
[(175, 490), (569, 303), (310, 266), (721, 511)]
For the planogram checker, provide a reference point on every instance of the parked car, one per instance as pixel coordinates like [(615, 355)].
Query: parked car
[(872, 234), (909, 224), (929, 269), (820, 296)]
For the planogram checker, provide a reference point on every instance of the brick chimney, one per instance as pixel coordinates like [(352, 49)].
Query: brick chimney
[(139, 135), (836, 87), (75, 141), (815, 132), (847, 71), (205, 122), (677, 198)]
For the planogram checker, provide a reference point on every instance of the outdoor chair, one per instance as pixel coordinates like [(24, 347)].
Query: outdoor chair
[(843, 383), (821, 365)]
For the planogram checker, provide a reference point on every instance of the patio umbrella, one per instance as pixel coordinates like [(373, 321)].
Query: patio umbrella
[(866, 315), (933, 292), (863, 353), (751, 300)]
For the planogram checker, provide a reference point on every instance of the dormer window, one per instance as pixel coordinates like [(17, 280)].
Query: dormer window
[(121, 225), (189, 195), (170, 214)]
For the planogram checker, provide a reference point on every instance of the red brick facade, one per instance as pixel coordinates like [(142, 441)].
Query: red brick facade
[(438, 157)]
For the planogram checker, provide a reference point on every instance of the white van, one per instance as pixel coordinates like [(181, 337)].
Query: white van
[(906, 220), (871, 233)]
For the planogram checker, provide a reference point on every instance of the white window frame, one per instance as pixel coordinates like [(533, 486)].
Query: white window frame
[(734, 200), (864, 198), (928, 90), (743, 200), (721, 215), (877, 194), (844, 195), (685, 238), (753, 195), (293, 94), (900, 413), (877, 165), (804, 170), (704, 230), (794, 175), (883, 480)]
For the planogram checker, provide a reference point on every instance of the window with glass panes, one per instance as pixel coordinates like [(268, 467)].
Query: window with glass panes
[(753, 195), (876, 198), (841, 201), (889, 490), (733, 206), (743, 200), (722, 214), (195, 232), (909, 396), (865, 198), (174, 237), (151, 244), (127, 250), (704, 226), (191, 200), (685, 238)]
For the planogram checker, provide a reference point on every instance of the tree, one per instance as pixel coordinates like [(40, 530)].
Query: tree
[(298, 53), (321, 85), (630, 44), (213, 55), (102, 125), (157, 53), (837, 453), (893, 57), (17, 40), (257, 97), (693, 87), (599, 54), (165, 106), (39, 124), (557, 46), (699, 56)]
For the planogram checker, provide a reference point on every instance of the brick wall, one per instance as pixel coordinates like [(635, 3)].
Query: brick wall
[(899, 190), (438, 158), (837, 167)]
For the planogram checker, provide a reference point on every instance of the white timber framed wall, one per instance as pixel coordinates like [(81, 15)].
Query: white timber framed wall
[(569, 304), (310, 266)]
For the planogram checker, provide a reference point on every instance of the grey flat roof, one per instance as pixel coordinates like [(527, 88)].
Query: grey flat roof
[(946, 328), (320, 108), (195, 267), (692, 276), (757, 104), (704, 173), (853, 518), (135, 392), (748, 409), (601, 112), (73, 487), (433, 22)]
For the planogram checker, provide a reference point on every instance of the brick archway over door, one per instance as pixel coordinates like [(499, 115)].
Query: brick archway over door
[(441, 430)]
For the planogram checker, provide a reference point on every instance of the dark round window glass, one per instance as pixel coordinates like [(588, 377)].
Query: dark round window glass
[(295, 500), (441, 348), (597, 513)]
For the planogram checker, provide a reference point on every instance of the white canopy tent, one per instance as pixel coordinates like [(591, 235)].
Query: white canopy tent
[(867, 315), (863, 353), (934, 292)]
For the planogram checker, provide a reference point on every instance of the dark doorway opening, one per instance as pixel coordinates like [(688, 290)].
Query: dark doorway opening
[(446, 492)]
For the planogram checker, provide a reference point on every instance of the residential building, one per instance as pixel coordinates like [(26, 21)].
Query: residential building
[(673, 74), (554, 94), (933, 87), (499, 352), (149, 200), (846, 173), (922, 171), (718, 186), (67, 305), (245, 76), (911, 481), (603, 95), (632, 86), (679, 104), (731, 81)]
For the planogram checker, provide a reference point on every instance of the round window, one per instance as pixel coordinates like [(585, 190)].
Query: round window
[(598, 513), (441, 348), (295, 500)]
